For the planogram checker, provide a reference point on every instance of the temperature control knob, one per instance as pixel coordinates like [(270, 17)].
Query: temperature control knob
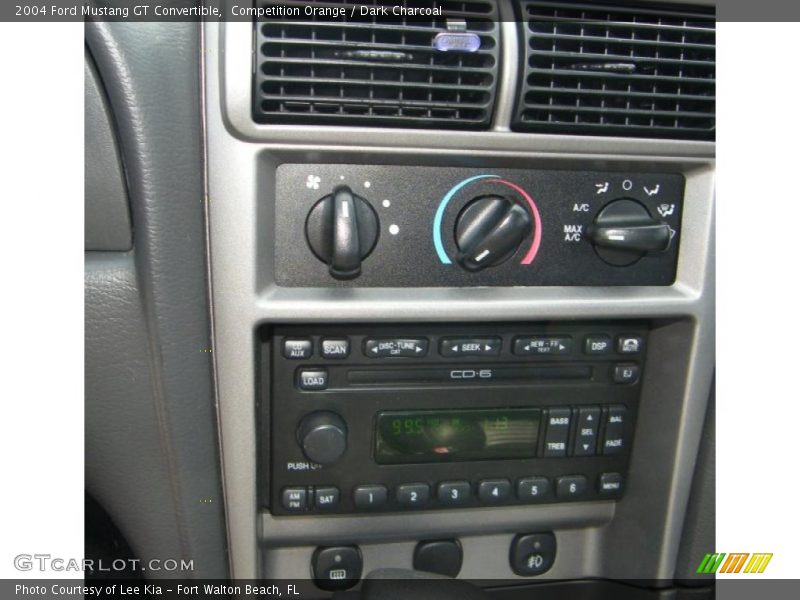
[(342, 230), (489, 230), (624, 232), (323, 437)]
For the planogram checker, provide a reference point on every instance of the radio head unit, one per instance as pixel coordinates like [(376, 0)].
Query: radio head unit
[(388, 418)]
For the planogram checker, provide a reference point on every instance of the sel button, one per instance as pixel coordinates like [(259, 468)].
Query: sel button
[(586, 435)]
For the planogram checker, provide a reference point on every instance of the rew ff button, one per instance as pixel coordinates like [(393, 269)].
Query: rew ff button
[(543, 345)]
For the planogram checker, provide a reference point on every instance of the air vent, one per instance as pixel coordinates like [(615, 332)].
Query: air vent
[(594, 69), (378, 71)]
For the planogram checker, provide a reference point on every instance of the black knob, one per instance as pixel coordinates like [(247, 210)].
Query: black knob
[(323, 437), (624, 232), (489, 230), (342, 230)]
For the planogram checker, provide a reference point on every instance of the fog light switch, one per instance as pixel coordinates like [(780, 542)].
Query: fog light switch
[(533, 553)]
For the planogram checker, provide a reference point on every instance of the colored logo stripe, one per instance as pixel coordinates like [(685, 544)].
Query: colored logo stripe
[(713, 563)]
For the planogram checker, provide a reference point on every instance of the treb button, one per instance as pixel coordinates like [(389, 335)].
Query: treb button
[(557, 433), (489, 346)]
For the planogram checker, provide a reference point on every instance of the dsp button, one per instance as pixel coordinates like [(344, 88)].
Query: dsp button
[(555, 438), (597, 344), (614, 439), (489, 346), (543, 345), (386, 348)]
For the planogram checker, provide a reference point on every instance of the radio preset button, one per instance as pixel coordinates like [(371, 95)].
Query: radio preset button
[(597, 344), (609, 484), (463, 346), (396, 347), (555, 438), (586, 435), (571, 486), (454, 493), (313, 379), (614, 439), (543, 345), (533, 489), (627, 373), (629, 344), (296, 349), (370, 496), (413, 494), (494, 491), (338, 348), (294, 499), (326, 497)]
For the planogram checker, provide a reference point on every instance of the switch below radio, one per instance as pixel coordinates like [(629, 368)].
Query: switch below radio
[(533, 554), (337, 568)]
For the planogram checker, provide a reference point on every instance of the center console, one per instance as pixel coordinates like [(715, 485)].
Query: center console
[(483, 351)]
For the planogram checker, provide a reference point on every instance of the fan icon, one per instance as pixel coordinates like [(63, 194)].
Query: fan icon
[(312, 182)]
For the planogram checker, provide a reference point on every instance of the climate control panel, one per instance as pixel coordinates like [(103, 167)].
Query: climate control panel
[(394, 226), (386, 418)]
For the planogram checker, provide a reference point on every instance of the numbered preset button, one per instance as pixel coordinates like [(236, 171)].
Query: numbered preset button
[(533, 489), (494, 491), (413, 495), (571, 486), (454, 493), (369, 496)]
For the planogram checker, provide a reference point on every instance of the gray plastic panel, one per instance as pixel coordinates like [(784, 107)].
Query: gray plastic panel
[(107, 220), (151, 72), (242, 160)]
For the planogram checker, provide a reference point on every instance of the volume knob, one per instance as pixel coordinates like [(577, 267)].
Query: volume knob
[(323, 437)]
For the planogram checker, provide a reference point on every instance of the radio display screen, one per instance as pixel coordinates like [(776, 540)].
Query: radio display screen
[(456, 435)]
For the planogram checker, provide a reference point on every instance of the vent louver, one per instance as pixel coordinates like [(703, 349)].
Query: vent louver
[(376, 72), (594, 69)]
